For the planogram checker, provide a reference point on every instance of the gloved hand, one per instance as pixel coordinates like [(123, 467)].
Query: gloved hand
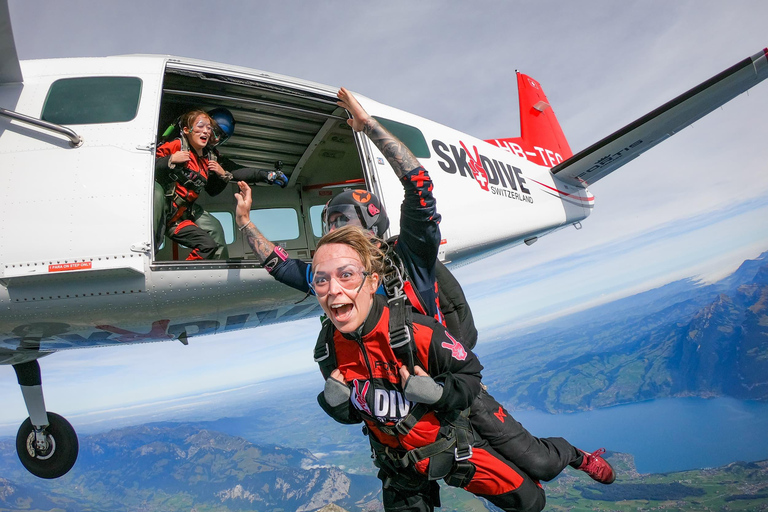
[(422, 389), (276, 178), (336, 392), (253, 176)]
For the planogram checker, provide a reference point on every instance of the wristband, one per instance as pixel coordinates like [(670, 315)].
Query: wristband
[(243, 228), (277, 256)]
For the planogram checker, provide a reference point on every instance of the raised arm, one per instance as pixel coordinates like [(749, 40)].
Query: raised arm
[(419, 236), (287, 270), (397, 153), (261, 247)]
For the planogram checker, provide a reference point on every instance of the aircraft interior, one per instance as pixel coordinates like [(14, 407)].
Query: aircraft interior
[(301, 133)]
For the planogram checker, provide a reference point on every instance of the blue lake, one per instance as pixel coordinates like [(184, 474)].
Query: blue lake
[(665, 435)]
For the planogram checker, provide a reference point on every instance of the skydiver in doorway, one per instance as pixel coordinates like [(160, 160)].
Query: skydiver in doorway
[(417, 247), (190, 164)]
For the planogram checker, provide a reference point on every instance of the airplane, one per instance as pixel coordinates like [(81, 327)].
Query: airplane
[(79, 266)]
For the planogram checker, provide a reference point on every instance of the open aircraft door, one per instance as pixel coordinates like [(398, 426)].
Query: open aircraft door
[(86, 207)]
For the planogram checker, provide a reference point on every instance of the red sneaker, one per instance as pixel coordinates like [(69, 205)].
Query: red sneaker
[(597, 467)]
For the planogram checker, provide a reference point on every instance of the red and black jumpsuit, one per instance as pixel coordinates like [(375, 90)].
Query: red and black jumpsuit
[(417, 246), (370, 368), (187, 181)]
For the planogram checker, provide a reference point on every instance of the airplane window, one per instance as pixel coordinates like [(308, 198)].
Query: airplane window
[(91, 100), (227, 221), (409, 135), (315, 217), (277, 223)]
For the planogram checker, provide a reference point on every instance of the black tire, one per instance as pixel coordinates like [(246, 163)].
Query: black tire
[(57, 461)]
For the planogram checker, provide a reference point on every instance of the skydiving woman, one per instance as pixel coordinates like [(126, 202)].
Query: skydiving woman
[(417, 248), (415, 406)]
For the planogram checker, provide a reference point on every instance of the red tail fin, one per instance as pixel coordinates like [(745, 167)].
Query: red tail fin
[(542, 140)]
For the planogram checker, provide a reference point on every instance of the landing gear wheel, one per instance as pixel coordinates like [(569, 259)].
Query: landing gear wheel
[(58, 453)]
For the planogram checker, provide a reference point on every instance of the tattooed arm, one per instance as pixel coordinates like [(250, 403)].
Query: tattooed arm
[(399, 156), (261, 247), (289, 271)]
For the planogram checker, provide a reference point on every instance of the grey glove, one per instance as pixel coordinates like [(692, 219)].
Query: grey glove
[(422, 389), (335, 392)]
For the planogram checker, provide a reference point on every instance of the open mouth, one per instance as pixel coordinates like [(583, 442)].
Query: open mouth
[(341, 312)]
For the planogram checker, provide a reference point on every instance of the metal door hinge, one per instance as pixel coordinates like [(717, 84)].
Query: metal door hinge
[(141, 247)]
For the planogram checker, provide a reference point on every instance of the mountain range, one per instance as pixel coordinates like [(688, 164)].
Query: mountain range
[(162, 467), (180, 467), (683, 339)]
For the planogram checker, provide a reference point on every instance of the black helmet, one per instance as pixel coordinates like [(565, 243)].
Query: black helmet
[(356, 204), (226, 124)]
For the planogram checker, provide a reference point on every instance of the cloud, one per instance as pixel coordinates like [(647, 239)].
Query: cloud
[(520, 293)]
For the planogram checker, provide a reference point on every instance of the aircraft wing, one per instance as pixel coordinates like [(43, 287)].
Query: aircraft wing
[(621, 147), (10, 71)]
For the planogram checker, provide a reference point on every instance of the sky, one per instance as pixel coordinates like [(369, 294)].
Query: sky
[(693, 206)]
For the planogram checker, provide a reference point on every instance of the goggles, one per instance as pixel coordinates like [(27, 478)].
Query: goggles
[(349, 277), (337, 216), (202, 126)]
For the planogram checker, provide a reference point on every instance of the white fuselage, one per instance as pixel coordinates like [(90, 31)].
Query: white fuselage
[(78, 265)]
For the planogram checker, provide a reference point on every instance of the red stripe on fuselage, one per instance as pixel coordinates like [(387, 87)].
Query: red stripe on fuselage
[(590, 198)]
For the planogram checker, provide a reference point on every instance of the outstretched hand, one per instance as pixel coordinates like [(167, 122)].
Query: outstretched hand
[(359, 116), (244, 201), (397, 154)]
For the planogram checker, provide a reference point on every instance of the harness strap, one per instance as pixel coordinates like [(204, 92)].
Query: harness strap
[(399, 322), (461, 475), (394, 273), (406, 424), (443, 444), (450, 454), (325, 355), (191, 180), (413, 298), (461, 426), (396, 280), (184, 141)]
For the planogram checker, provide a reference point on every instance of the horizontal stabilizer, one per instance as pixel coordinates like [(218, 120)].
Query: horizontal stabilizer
[(607, 155)]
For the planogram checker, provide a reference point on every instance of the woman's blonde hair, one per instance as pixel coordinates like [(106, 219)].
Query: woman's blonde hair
[(360, 241)]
